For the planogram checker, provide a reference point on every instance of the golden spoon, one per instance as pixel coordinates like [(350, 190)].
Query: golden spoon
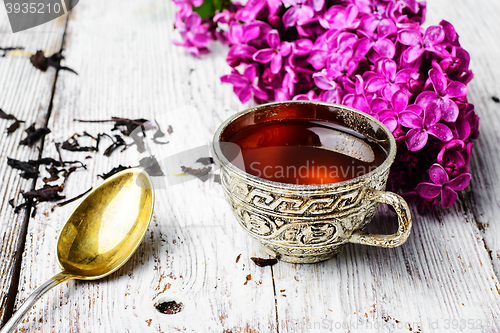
[(101, 234)]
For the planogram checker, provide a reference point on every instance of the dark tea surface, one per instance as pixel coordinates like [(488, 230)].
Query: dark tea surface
[(305, 152)]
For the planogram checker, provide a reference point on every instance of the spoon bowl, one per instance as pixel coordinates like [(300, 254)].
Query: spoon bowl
[(107, 227), (101, 234)]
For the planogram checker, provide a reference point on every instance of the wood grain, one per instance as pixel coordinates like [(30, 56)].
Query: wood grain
[(444, 272), (25, 92), (128, 67), (479, 29)]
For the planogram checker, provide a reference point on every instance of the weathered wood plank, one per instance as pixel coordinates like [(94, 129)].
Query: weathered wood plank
[(129, 67), (479, 29), (25, 92), (443, 273)]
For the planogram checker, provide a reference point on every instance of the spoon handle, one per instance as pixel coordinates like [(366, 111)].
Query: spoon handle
[(11, 325)]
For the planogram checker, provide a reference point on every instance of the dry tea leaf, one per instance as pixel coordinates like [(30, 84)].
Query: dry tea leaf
[(201, 173), (64, 203), (30, 168), (54, 174), (46, 193), (118, 142), (41, 62), (262, 262), (34, 134), (127, 126), (72, 143), (4, 115), (17, 123), (12, 128), (113, 171), (205, 160)]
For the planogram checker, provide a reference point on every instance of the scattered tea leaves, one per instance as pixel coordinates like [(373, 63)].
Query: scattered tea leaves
[(34, 134), (57, 169), (54, 173), (217, 179), (170, 130), (30, 168), (201, 173), (262, 262), (113, 171), (205, 160), (72, 143), (495, 99), (41, 62), (170, 307), (127, 126)]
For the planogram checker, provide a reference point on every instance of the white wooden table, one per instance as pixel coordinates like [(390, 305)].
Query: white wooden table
[(444, 279)]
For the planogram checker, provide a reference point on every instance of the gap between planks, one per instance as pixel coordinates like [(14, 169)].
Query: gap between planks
[(14, 286)]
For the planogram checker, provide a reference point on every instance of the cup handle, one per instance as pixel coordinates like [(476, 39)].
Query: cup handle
[(404, 220)]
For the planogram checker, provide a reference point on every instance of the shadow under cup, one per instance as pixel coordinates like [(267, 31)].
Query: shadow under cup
[(309, 223)]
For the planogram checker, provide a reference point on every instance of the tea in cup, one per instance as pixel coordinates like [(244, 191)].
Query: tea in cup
[(304, 178)]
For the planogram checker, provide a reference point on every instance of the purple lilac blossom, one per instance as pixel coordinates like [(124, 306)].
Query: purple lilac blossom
[(194, 34), (244, 84), (423, 125), (372, 55), (275, 53), (441, 184), (443, 95)]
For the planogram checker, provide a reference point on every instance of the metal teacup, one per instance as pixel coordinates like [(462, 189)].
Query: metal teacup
[(310, 223)]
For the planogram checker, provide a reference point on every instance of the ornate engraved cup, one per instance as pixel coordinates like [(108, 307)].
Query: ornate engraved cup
[(310, 223)]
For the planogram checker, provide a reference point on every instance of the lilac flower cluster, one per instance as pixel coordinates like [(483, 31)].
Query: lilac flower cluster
[(372, 55)]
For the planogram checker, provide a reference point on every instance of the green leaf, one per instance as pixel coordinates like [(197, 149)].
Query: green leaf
[(208, 8)]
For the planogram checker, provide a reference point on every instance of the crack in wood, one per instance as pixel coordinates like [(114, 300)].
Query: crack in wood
[(275, 301), (11, 296), (465, 198)]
